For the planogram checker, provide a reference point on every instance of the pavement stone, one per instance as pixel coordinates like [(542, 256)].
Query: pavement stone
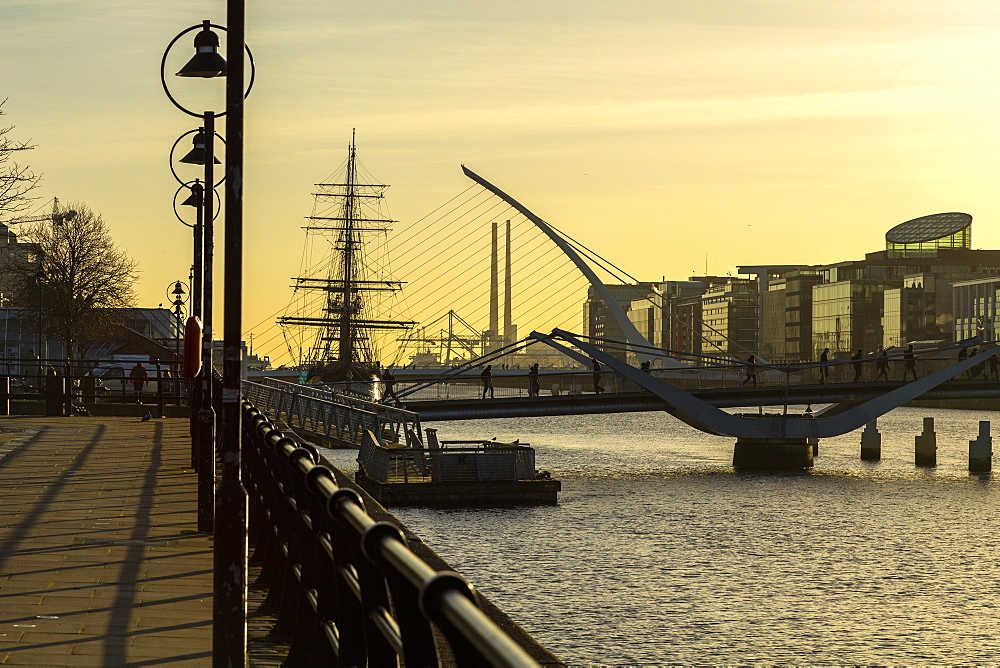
[(100, 560)]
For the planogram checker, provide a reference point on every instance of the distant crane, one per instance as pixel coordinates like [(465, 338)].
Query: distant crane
[(57, 217)]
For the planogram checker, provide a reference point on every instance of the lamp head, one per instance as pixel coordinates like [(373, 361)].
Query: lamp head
[(178, 290), (195, 198), (198, 155), (206, 62)]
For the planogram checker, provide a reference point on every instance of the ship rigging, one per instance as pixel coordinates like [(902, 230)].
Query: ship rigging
[(352, 284)]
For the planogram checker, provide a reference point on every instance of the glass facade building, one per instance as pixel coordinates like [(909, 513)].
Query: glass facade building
[(976, 308), (923, 237), (846, 316)]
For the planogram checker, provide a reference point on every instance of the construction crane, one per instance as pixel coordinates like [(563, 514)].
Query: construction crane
[(57, 217)]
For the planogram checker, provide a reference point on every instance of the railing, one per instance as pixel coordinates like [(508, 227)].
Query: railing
[(65, 387), (333, 416), (707, 375), (348, 590), (446, 461)]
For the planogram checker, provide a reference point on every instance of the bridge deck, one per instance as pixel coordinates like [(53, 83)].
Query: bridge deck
[(732, 397), (100, 562)]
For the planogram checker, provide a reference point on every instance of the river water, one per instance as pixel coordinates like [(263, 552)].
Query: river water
[(658, 552)]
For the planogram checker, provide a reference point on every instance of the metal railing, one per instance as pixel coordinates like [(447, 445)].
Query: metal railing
[(331, 415), (710, 374), (446, 461), (348, 590)]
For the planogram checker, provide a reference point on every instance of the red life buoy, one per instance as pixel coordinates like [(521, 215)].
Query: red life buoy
[(192, 347)]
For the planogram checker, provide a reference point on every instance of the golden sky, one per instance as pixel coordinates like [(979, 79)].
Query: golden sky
[(756, 131)]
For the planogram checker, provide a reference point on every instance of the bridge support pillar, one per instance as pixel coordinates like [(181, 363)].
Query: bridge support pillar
[(814, 442), (871, 442), (772, 454), (981, 449), (925, 445)]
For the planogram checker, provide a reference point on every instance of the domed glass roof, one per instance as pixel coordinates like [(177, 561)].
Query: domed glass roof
[(928, 228)]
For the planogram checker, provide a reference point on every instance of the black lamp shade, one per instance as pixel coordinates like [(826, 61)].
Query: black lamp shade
[(206, 62), (197, 155)]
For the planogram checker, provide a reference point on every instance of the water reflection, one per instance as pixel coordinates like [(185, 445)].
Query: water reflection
[(659, 552)]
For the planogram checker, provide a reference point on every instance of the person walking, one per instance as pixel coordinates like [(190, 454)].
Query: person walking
[(751, 372), (824, 370), (597, 376), (909, 363), (858, 364), (138, 376), (486, 375), (534, 387), (389, 386), (882, 365)]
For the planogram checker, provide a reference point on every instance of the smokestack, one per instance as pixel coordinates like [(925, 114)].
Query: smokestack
[(494, 285), (509, 333)]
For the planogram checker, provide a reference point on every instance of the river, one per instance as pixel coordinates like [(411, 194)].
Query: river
[(658, 552)]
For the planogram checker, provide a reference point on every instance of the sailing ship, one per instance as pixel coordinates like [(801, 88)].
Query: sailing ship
[(346, 286)]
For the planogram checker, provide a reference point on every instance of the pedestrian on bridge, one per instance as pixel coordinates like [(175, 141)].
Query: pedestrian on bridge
[(389, 386), (751, 372), (909, 363), (824, 370), (858, 364), (487, 377), (882, 365), (597, 376), (534, 388)]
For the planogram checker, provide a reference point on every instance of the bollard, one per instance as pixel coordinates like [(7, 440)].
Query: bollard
[(4, 395), (871, 442), (88, 389), (925, 445), (55, 396), (981, 449), (814, 442)]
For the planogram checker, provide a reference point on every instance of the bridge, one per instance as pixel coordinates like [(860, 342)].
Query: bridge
[(437, 410), (763, 440)]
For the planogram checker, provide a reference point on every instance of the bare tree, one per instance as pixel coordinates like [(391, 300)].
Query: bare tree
[(16, 180), (83, 280)]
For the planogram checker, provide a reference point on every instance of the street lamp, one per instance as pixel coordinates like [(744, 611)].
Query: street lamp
[(40, 277), (178, 293), (229, 634)]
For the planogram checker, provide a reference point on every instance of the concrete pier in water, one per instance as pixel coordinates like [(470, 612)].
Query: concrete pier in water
[(772, 454), (981, 449), (925, 445)]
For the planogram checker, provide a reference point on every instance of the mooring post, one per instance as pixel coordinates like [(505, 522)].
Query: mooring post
[(925, 445), (4, 395), (871, 442), (814, 442), (981, 449)]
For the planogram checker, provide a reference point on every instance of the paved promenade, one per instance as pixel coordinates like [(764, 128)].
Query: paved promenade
[(100, 560)]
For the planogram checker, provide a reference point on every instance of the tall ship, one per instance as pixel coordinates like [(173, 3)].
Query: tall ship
[(337, 318)]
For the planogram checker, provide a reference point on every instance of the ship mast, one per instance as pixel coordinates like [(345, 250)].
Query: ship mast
[(343, 348)]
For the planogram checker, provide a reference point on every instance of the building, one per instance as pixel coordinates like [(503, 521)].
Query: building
[(598, 322), (976, 311), (730, 318)]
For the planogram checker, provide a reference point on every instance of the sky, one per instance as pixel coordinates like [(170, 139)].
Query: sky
[(670, 136)]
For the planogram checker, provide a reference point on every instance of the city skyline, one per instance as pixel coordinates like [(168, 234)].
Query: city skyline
[(755, 133)]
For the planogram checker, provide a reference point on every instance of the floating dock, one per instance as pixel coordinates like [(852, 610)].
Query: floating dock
[(453, 474)]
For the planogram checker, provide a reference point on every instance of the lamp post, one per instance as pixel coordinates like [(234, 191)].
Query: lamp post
[(229, 630), (178, 292), (40, 277)]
